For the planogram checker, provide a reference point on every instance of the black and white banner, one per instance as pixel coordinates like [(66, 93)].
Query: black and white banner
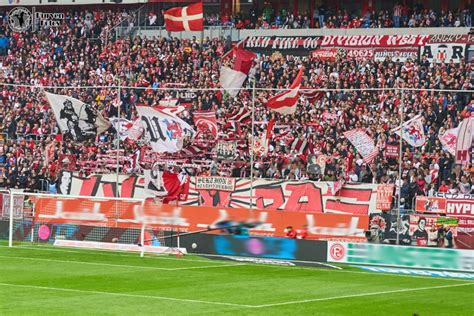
[(226, 150), (444, 53), (77, 120)]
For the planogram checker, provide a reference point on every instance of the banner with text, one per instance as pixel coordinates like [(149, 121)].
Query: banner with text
[(235, 193)]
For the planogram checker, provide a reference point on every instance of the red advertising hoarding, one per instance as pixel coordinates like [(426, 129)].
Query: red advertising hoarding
[(192, 218), (441, 205)]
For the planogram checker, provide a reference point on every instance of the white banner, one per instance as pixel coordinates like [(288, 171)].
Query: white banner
[(165, 133), (76, 119), (464, 141), (444, 53)]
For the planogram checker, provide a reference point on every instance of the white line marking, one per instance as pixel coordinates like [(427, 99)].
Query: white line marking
[(122, 265), (104, 253), (233, 304), (121, 254), (123, 295), (363, 294), (213, 266)]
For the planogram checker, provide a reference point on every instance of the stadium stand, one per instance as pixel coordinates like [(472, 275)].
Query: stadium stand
[(82, 53)]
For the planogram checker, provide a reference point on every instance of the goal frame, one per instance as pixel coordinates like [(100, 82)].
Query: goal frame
[(137, 228)]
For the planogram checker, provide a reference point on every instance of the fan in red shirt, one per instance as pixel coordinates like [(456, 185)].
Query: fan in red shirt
[(291, 232)]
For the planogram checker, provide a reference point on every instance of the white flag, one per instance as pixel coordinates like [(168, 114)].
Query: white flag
[(165, 132), (464, 141), (413, 132), (448, 140), (76, 119)]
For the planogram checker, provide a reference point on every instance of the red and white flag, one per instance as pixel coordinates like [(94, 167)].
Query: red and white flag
[(232, 79), (268, 136), (285, 102), (241, 114), (449, 139), (206, 121), (181, 19), (464, 141), (363, 143), (413, 132), (311, 94)]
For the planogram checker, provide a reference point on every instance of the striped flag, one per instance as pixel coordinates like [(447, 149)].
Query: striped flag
[(363, 143), (242, 115), (285, 102), (298, 145), (311, 94)]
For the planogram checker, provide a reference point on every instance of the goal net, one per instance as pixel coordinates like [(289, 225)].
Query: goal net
[(84, 222)]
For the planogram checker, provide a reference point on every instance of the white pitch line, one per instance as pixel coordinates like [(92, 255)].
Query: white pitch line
[(103, 253), (213, 266), (121, 265), (232, 304), (116, 253), (123, 295), (362, 295)]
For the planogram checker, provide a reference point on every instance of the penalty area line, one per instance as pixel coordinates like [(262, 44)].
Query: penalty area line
[(164, 298)]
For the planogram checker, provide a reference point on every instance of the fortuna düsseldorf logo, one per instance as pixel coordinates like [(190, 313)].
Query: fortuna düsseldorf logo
[(337, 251)]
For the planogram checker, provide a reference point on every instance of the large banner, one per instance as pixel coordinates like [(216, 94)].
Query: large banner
[(374, 40), (305, 196), (401, 256), (291, 45), (359, 199), (270, 223)]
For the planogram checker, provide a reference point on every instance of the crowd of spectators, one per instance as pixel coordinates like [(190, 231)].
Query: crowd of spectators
[(324, 17), (32, 153), (267, 17)]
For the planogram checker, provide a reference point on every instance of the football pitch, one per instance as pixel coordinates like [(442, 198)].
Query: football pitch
[(43, 280)]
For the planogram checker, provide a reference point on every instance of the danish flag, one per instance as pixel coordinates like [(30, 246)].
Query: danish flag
[(188, 18)]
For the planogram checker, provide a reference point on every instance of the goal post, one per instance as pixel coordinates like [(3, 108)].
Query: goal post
[(86, 222)]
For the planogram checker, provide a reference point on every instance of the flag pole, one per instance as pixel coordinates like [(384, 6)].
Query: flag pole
[(118, 150), (400, 157), (253, 144)]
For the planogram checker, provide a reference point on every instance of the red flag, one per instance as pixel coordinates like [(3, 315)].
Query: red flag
[(285, 102), (188, 18), (206, 121)]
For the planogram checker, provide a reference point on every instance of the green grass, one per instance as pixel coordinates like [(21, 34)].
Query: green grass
[(38, 280)]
